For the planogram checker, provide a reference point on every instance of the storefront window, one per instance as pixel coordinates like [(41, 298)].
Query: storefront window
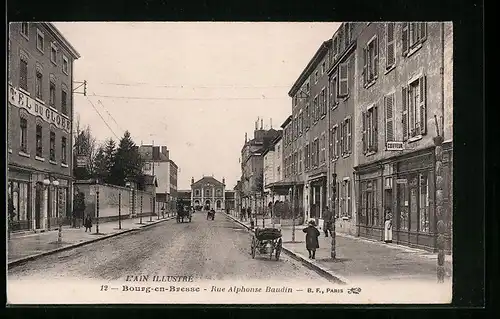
[(370, 213), (18, 191), (414, 203), (424, 204)]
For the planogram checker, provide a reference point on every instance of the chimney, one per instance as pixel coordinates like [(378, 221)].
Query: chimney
[(246, 138), (192, 180), (261, 124), (271, 122), (164, 150), (223, 180)]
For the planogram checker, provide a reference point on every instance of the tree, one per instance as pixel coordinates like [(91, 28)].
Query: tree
[(128, 162), (78, 205), (109, 153), (100, 168)]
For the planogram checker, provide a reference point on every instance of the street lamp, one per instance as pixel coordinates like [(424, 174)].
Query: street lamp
[(97, 204), (291, 191)]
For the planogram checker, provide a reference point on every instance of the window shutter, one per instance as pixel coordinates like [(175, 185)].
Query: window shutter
[(375, 57), (404, 102), (375, 128), (349, 196), (337, 140), (405, 39), (390, 45), (363, 116), (389, 122), (423, 106), (349, 135), (365, 66), (343, 85), (423, 31)]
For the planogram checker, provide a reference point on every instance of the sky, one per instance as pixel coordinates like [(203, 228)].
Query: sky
[(196, 88)]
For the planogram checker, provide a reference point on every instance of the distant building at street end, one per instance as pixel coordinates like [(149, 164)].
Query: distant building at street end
[(39, 125), (208, 192), (157, 162)]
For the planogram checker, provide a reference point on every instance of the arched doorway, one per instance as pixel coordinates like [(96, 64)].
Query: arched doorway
[(218, 204), (207, 204)]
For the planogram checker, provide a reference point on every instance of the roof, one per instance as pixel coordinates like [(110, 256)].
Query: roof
[(311, 66), (288, 120), (146, 153), (67, 45), (207, 180), (229, 194), (173, 163)]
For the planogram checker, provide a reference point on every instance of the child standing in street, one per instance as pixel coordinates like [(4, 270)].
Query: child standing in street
[(312, 234)]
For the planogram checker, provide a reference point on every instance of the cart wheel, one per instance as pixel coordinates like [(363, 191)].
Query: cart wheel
[(278, 249), (253, 248)]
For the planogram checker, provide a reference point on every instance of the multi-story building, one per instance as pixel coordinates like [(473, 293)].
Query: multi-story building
[(157, 162), (341, 112), (306, 136), (271, 168), (404, 92), (252, 178), (208, 193), (40, 113)]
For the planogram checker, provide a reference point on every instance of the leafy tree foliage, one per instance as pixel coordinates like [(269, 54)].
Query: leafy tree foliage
[(128, 162)]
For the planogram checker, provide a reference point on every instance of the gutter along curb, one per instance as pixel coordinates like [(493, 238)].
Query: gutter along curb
[(22, 260), (306, 262)]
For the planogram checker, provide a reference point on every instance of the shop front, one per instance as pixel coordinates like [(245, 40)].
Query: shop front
[(37, 202), (316, 197), (401, 190)]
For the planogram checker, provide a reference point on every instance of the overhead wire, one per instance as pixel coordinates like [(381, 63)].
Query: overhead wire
[(186, 99), (102, 118)]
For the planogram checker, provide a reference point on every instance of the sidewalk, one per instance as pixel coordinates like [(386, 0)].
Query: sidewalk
[(365, 259), (33, 245)]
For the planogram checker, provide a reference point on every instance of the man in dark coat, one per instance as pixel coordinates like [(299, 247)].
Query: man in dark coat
[(312, 234), (328, 221), (88, 223)]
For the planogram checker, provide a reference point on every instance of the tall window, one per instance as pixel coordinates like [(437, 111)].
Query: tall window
[(38, 85), (39, 144), (345, 198), (390, 46), (23, 73), (23, 143), (343, 90), (323, 148), (370, 66), (414, 109), (52, 91), (323, 68), (307, 156), (323, 102), (53, 54), (389, 117), (335, 48), (333, 92), (52, 146), (370, 130), (316, 76), (301, 159), (413, 34), (64, 101), (65, 65), (315, 109), (308, 117), (64, 151), (40, 41), (301, 122), (25, 29), (334, 143), (413, 202), (316, 150)]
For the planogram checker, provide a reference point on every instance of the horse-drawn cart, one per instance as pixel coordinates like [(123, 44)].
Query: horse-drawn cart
[(183, 212), (267, 241)]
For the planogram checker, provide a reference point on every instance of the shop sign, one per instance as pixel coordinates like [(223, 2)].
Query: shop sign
[(394, 146), (23, 101), (81, 161), (401, 181)]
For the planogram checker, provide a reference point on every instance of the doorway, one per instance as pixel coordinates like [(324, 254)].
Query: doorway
[(38, 207)]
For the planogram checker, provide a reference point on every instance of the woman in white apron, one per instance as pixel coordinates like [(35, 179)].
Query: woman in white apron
[(388, 227)]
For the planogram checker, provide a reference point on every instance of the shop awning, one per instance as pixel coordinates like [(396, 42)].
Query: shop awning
[(283, 187)]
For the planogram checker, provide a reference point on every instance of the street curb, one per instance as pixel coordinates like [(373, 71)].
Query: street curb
[(22, 260), (309, 264)]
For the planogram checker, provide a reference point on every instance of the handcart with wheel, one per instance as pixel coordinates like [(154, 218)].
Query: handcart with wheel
[(267, 241)]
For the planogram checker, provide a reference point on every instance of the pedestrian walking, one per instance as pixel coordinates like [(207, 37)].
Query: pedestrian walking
[(88, 223), (312, 234), (328, 221)]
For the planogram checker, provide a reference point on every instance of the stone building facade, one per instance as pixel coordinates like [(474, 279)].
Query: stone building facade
[(39, 132)]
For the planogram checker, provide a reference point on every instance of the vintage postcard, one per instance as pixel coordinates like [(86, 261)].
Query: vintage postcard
[(230, 163)]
